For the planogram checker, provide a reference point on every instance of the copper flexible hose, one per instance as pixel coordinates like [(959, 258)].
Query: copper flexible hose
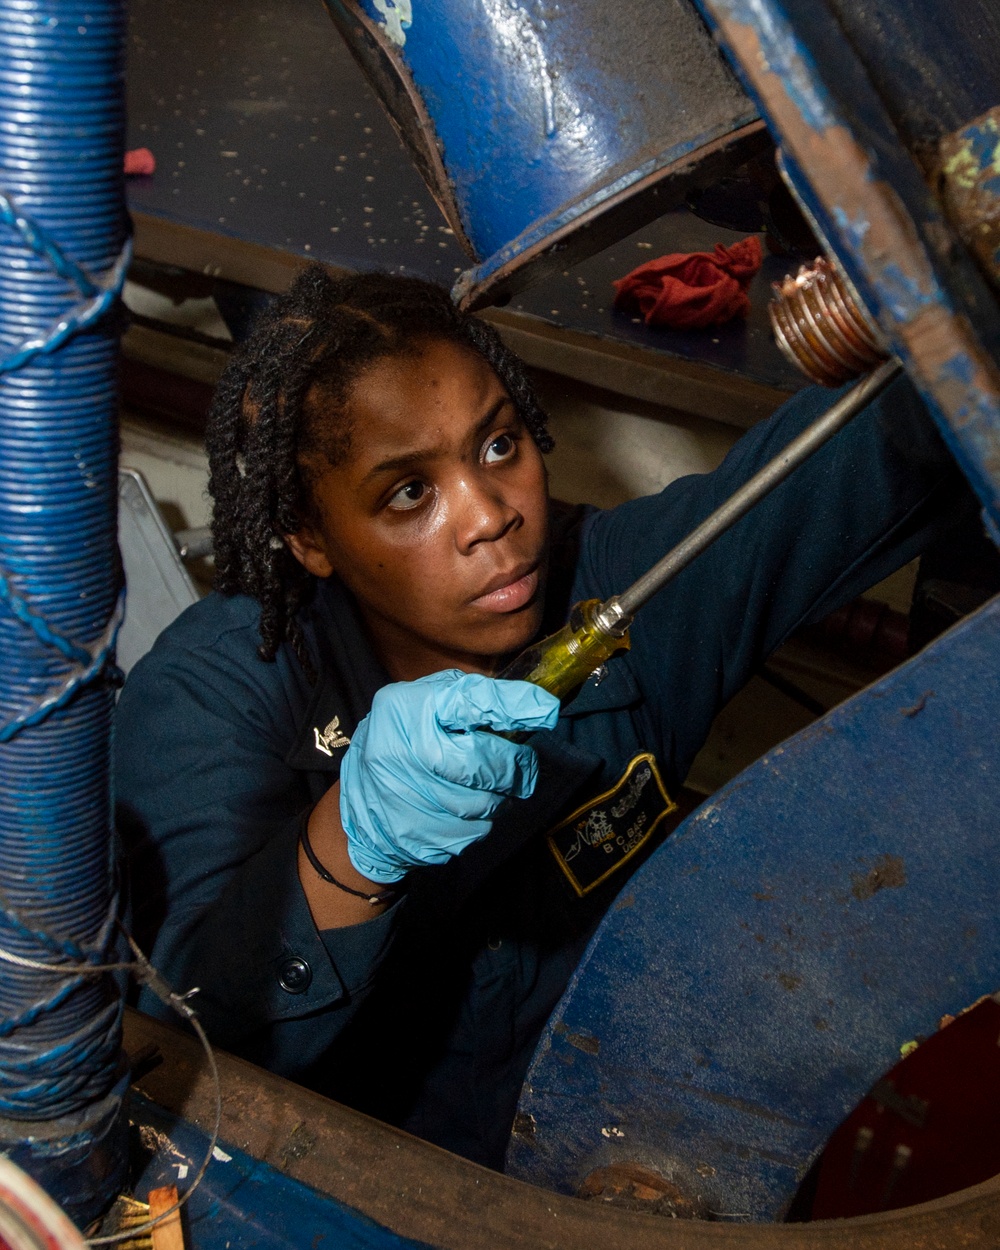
[(820, 327)]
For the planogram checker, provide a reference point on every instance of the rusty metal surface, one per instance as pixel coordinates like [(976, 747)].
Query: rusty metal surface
[(969, 165), (762, 970), (869, 201), (426, 1194)]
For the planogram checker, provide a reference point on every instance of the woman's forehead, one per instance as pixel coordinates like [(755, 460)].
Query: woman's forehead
[(443, 390), (437, 366)]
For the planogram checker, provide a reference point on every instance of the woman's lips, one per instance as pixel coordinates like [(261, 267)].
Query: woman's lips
[(508, 598)]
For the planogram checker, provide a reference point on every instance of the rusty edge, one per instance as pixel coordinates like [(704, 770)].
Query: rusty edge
[(941, 344), (424, 1193), (422, 142)]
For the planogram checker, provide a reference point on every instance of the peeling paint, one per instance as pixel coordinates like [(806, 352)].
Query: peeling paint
[(917, 707), (778, 51), (525, 1126), (887, 873), (966, 384), (868, 212), (876, 231), (969, 165), (902, 294), (397, 18)]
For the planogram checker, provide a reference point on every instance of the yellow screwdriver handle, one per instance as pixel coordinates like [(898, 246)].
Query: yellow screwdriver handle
[(563, 661)]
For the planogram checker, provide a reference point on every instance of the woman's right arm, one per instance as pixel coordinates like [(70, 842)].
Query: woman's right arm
[(419, 783), (211, 813)]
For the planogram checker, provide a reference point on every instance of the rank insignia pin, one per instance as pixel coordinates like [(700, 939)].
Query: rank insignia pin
[(331, 738)]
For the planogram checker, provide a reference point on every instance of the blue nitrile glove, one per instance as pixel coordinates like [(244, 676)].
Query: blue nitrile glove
[(418, 784)]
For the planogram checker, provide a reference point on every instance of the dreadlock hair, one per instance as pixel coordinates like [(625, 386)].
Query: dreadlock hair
[(278, 413)]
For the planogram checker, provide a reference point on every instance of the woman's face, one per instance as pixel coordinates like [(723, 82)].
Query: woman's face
[(436, 518)]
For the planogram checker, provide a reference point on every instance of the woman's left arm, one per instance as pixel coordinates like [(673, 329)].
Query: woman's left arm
[(862, 506)]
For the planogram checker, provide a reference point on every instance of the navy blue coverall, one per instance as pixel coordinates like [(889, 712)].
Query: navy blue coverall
[(428, 1014)]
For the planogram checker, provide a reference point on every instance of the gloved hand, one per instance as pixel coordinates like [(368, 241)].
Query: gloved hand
[(418, 783)]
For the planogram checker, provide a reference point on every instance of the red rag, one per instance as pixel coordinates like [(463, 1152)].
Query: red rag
[(693, 290), (140, 161)]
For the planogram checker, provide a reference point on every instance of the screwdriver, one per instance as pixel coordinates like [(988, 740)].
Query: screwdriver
[(595, 631)]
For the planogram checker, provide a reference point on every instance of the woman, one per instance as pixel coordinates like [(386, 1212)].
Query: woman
[(375, 896)]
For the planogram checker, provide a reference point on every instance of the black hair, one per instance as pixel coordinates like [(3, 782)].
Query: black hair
[(277, 414)]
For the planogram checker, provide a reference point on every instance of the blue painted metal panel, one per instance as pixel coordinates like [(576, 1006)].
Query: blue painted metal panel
[(534, 118), (242, 1202), (318, 172), (765, 966), (826, 103), (536, 105)]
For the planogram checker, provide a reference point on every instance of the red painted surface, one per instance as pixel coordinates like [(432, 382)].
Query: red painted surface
[(928, 1128)]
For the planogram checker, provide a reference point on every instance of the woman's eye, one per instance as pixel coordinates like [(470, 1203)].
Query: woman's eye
[(408, 496), (500, 448)]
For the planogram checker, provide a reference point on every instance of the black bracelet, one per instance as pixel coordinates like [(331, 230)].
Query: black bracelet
[(383, 896)]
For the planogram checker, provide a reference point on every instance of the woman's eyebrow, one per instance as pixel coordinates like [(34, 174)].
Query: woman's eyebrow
[(394, 463), (488, 417), (417, 454)]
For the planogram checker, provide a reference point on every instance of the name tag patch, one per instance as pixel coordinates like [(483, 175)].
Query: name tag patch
[(598, 838)]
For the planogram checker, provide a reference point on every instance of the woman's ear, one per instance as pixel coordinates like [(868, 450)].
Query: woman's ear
[(307, 547)]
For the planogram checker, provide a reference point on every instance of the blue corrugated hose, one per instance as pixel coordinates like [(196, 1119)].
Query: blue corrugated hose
[(62, 233)]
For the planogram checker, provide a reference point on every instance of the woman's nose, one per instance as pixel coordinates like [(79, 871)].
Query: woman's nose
[(485, 515)]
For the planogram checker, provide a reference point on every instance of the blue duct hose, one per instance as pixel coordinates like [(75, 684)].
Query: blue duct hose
[(62, 231)]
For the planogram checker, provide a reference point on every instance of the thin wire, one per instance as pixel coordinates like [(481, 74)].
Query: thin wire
[(8, 957), (146, 974), (42, 244)]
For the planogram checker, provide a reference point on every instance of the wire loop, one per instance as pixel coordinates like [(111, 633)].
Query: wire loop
[(145, 974), (80, 317)]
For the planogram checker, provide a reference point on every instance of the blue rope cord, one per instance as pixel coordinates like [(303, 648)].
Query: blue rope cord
[(80, 317), (97, 1038), (65, 947), (94, 667), (29, 1016), (42, 244), (102, 297), (62, 223), (42, 630)]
